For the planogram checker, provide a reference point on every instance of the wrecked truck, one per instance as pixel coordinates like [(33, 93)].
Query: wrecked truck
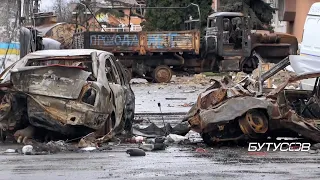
[(65, 94), (235, 112)]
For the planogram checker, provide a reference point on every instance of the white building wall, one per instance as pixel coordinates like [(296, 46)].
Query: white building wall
[(279, 26)]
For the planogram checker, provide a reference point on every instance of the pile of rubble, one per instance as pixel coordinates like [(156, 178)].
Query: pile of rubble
[(275, 80), (196, 79)]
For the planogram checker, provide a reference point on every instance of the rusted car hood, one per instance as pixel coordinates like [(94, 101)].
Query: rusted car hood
[(54, 81), (230, 111), (223, 101)]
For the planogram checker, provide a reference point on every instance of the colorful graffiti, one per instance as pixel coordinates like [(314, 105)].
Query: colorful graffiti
[(102, 17), (64, 34), (114, 40), (10, 52), (169, 40), (13, 48)]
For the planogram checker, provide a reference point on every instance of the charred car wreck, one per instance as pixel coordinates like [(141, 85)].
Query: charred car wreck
[(65, 94), (229, 111)]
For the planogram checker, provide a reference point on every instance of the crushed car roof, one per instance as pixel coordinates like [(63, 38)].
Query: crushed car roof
[(65, 52), (49, 53)]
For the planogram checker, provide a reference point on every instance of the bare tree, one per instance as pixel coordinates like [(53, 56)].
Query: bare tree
[(8, 21), (63, 10)]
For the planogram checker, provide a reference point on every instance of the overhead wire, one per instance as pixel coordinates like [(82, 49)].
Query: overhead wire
[(33, 22)]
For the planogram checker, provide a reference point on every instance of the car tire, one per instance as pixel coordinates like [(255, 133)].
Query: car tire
[(207, 139), (162, 74)]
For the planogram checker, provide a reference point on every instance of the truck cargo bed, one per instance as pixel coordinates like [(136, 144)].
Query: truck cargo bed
[(139, 42)]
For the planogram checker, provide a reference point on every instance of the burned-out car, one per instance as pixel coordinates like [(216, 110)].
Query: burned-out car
[(65, 93), (229, 111)]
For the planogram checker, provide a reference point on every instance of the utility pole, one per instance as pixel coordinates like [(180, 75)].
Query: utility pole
[(242, 6), (36, 6)]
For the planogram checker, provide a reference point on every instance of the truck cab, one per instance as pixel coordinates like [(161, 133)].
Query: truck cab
[(226, 41), (227, 34), (230, 44)]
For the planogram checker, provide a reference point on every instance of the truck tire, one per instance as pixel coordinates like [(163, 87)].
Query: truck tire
[(162, 74)]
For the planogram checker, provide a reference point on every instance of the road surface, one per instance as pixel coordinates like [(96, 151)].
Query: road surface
[(176, 162)]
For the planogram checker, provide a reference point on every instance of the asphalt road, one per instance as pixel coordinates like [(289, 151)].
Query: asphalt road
[(172, 96), (176, 162)]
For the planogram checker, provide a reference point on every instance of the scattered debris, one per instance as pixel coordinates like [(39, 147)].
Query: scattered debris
[(136, 139), (196, 79), (88, 141), (56, 146), (146, 147), (315, 146), (159, 146), (190, 91), (88, 149), (199, 76), (10, 151), (153, 144), (139, 81), (153, 130), (136, 152), (174, 138), (201, 150), (176, 98), (187, 104), (139, 120), (277, 79), (23, 135), (194, 137), (139, 139), (313, 151), (27, 149), (152, 147)]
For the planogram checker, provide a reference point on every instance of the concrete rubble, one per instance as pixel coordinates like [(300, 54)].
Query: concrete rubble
[(275, 80)]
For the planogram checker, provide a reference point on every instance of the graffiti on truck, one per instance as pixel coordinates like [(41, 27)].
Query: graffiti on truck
[(64, 33), (170, 40), (114, 40)]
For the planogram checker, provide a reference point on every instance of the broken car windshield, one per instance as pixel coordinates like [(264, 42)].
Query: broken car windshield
[(83, 62)]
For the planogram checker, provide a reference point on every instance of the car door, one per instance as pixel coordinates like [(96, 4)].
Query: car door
[(117, 90), (128, 112)]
